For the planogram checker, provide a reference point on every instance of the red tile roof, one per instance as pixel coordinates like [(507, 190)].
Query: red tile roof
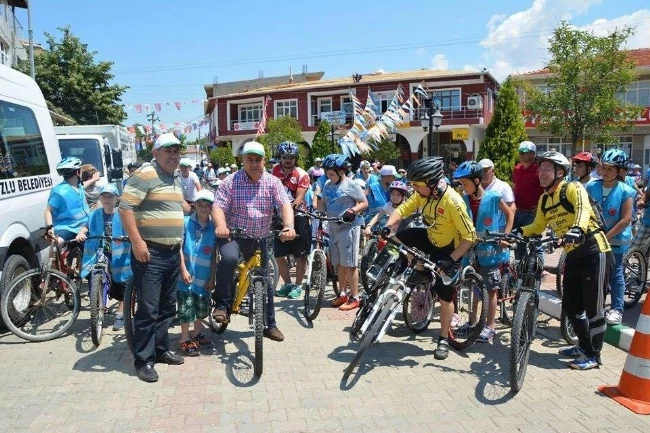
[(640, 57)]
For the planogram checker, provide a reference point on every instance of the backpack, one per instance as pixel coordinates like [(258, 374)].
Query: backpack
[(566, 204)]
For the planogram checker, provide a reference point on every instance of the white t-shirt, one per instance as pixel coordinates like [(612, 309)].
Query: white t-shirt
[(502, 188), (189, 186), (388, 209)]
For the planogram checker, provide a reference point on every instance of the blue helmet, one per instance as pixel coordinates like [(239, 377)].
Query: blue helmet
[(615, 157), (469, 170), (68, 166), (335, 161), (288, 148)]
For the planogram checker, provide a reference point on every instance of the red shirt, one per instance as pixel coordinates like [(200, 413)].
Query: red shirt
[(298, 178), (527, 188), (474, 204)]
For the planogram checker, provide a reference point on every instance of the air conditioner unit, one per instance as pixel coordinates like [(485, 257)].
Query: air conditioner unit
[(475, 102)]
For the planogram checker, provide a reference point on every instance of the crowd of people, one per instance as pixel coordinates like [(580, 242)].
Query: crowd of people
[(175, 226)]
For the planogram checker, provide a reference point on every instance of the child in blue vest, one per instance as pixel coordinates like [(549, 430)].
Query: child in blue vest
[(616, 199), (196, 276), (398, 193), (105, 221), (486, 208)]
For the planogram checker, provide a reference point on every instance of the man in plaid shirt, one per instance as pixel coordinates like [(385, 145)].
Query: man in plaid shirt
[(246, 200)]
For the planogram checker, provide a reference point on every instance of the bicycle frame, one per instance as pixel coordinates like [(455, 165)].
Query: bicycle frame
[(244, 279), (103, 266)]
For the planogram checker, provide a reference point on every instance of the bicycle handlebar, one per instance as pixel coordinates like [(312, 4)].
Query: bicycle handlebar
[(419, 255), (236, 232), (115, 239), (319, 216), (537, 239)]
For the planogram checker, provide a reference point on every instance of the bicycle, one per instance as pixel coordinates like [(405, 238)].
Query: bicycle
[(635, 264), (319, 268), (386, 305), (524, 323), (99, 283), (43, 303)]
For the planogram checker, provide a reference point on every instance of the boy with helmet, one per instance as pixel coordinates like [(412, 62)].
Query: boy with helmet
[(616, 198), (342, 197), (487, 209), (67, 211), (583, 164), (398, 193), (296, 183), (589, 259), (449, 235)]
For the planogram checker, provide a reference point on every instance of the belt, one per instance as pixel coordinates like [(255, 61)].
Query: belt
[(527, 210), (162, 246)]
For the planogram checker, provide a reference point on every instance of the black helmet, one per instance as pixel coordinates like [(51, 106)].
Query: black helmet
[(133, 165), (429, 170)]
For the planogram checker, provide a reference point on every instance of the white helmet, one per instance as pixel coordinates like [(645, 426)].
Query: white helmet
[(556, 158), (388, 170)]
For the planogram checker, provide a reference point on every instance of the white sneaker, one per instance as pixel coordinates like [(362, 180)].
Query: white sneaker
[(614, 317)]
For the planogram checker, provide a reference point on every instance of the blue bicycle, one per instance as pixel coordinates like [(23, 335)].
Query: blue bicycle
[(99, 282)]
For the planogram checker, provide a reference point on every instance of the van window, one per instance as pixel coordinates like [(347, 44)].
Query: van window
[(21, 144), (86, 149)]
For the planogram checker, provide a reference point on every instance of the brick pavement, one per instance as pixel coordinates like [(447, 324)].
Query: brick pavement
[(67, 385)]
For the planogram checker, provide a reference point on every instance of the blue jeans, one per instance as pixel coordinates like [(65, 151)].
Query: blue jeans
[(155, 288), (617, 283)]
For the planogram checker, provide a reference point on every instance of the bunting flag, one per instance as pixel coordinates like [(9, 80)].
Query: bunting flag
[(158, 106), (262, 126), (146, 108), (178, 105), (138, 108), (141, 129)]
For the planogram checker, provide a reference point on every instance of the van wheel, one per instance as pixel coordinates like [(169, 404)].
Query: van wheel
[(14, 266)]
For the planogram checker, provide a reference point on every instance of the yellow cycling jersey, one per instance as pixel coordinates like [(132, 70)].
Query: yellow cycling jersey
[(447, 217), (561, 220)]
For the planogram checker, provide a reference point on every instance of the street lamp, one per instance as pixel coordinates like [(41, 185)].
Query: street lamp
[(332, 134), (430, 120)]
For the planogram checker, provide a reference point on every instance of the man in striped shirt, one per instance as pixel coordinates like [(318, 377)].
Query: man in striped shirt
[(246, 200), (152, 209)]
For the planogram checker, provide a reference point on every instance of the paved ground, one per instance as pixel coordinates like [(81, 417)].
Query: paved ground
[(68, 385)]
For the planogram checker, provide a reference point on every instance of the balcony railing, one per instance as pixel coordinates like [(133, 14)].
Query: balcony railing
[(315, 119), (451, 113)]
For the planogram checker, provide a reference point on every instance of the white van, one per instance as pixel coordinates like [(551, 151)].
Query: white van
[(29, 153)]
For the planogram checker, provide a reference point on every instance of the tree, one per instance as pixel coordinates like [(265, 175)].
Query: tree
[(322, 144), (385, 152), (74, 83), (588, 73), (283, 128), (505, 132), (222, 156)]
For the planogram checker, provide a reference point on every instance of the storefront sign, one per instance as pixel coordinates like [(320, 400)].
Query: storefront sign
[(246, 126), (460, 134), (333, 117)]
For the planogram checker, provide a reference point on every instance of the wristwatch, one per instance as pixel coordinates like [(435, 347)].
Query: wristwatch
[(288, 226)]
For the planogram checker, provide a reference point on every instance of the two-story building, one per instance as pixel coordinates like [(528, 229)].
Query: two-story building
[(636, 142), (11, 33), (466, 100)]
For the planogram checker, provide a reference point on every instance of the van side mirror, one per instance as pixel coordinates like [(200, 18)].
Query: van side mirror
[(117, 159)]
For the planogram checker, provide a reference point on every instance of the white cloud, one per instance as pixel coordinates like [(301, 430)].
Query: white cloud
[(439, 62), (639, 21)]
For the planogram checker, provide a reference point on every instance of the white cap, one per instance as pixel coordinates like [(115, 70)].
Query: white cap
[(318, 159), (253, 147), (166, 140), (222, 171), (486, 163), (185, 162), (204, 194), (388, 170), (527, 146), (233, 166)]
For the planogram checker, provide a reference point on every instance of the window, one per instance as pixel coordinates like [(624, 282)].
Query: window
[(444, 99), (286, 108), (638, 93), (250, 113), (559, 144), (382, 100), (86, 149), (347, 105), (4, 54), (21, 144), (324, 105)]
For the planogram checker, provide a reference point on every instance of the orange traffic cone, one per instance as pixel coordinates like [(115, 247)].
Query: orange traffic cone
[(633, 389)]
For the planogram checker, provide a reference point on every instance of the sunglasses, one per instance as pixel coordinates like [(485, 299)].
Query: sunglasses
[(419, 183), (288, 157)]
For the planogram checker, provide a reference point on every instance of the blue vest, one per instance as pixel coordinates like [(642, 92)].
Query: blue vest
[(612, 211), (120, 251), (376, 199), (371, 178), (309, 197), (198, 245), (488, 254), (75, 211)]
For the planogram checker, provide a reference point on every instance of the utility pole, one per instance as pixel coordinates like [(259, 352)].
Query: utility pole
[(152, 118)]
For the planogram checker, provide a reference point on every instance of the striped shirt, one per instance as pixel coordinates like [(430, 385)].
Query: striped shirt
[(249, 205), (155, 198)]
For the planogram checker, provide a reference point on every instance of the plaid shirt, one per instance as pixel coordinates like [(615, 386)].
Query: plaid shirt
[(249, 205)]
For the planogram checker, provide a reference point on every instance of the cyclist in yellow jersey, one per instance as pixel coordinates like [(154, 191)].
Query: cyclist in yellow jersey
[(589, 259), (448, 236)]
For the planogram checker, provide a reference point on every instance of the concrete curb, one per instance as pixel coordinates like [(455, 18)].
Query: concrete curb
[(617, 335)]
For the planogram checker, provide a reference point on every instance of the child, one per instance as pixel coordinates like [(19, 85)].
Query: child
[(486, 208), (196, 277), (89, 177), (398, 191), (106, 222)]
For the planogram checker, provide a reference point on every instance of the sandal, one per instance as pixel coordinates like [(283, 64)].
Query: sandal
[(220, 316), (189, 348), (201, 341)]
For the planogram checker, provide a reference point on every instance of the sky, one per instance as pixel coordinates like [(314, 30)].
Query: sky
[(166, 51)]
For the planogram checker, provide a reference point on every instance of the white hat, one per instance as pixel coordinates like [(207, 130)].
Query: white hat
[(204, 194), (222, 171), (233, 166), (253, 147), (388, 170), (527, 146), (318, 159), (486, 163), (185, 162), (166, 140)]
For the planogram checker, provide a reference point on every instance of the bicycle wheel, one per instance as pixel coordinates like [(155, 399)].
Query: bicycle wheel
[(635, 272), (523, 331), (566, 329), (471, 308), (314, 292), (560, 274), (96, 306), (417, 308), (369, 256), (274, 273), (130, 307), (73, 263), (507, 292), (371, 333), (40, 318), (259, 299)]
